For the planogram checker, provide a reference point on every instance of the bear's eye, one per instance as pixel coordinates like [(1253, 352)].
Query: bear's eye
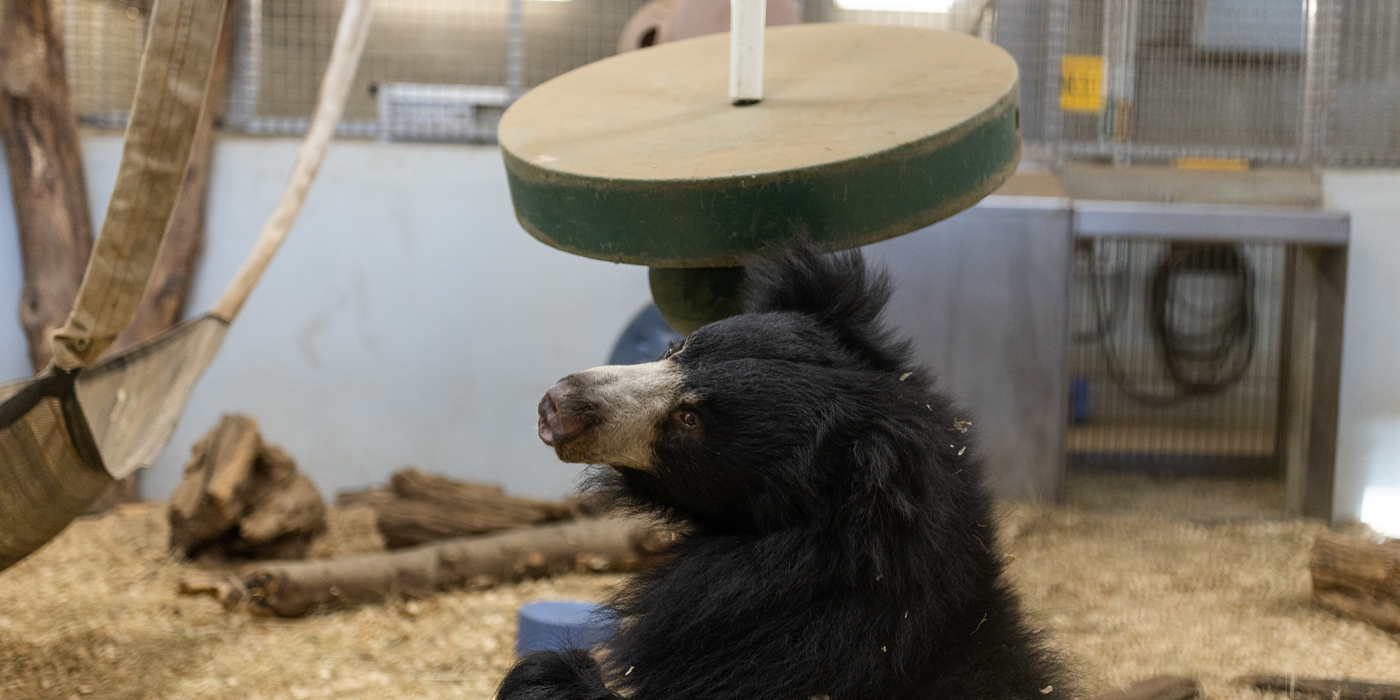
[(688, 418), (675, 348)]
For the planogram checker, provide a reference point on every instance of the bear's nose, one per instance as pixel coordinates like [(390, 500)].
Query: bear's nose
[(557, 421)]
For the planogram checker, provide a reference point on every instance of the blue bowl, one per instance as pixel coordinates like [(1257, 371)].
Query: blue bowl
[(559, 624)]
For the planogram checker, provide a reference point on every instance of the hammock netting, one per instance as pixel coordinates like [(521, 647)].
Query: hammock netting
[(68, 433)]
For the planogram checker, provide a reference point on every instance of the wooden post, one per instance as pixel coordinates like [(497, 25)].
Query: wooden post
[(1312, 377), (40, 135), (746, 22)]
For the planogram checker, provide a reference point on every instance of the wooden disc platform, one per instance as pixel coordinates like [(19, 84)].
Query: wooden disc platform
[(864, 133)]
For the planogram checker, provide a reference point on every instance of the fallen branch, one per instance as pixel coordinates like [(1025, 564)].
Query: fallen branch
[(430, 508), (1358, 579), (1324, 687), (296, 589), (1157, 688), (372, 497)]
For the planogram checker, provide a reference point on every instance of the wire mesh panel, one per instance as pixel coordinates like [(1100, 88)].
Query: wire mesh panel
[(432, 69), (283, 48), (1361, 124), (1272, 81), (563, 35), (442, 61), (102, 43), (1221, 74), (1176, 356)]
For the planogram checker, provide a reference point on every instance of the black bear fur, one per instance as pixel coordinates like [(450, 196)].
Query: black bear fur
[(840, 542)]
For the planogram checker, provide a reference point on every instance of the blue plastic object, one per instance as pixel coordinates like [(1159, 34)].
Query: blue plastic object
[(645, 338), (559, 624), (1079, 401)]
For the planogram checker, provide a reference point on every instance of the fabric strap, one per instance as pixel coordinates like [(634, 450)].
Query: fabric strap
[(175, 68)]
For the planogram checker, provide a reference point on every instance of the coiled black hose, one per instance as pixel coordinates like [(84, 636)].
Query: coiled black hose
[(1205, 349)]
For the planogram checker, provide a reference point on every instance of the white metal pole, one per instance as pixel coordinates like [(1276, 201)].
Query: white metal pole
[(746, 21)]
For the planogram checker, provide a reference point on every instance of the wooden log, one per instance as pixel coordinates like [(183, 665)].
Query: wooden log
[(296, 589), (1336, 689), (40, 135), (373, 497), (1157, 688), (242, 498), (419, 485), (1358, 579), (431, 507)]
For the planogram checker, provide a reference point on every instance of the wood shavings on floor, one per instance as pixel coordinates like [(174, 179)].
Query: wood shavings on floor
[(94, 614)]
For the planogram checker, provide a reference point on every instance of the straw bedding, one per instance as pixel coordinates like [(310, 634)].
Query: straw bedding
[(1126, 586)]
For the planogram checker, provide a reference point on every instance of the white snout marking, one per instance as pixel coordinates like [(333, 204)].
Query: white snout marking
[(633, 400)]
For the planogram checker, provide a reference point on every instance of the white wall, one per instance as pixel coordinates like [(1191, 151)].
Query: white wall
[(14, 359), (408, 319), (1368, 441)]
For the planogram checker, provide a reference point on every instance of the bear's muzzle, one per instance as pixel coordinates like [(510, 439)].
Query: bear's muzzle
[(610, 414)]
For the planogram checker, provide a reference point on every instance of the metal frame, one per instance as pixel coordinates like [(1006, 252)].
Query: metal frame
[(1320, 74), (1211, 222), (1120, 38), (1315, 293)]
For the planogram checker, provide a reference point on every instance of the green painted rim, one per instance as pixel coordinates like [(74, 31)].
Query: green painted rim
[(722, 221)]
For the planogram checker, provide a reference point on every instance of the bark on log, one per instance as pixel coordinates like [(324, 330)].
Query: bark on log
[(373, 497), (431, 508), (1335, 689), (1358, 579), (1157, 688), (296, 589), (40, 135), (242, 498)]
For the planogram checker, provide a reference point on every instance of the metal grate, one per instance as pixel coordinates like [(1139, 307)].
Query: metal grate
[(433, 58), (1176, 356), (1268, 81), (1361, 120), (102, 43)]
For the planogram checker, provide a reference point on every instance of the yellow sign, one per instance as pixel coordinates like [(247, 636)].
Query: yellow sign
[(1081, 83), (1212, 164)]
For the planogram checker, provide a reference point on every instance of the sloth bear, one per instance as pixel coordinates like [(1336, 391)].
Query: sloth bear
[(839, 542)]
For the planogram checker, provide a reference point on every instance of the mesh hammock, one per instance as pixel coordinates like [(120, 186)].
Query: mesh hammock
[(66, 434)]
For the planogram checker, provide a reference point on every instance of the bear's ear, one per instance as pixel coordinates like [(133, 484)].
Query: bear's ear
[(838, 290)]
